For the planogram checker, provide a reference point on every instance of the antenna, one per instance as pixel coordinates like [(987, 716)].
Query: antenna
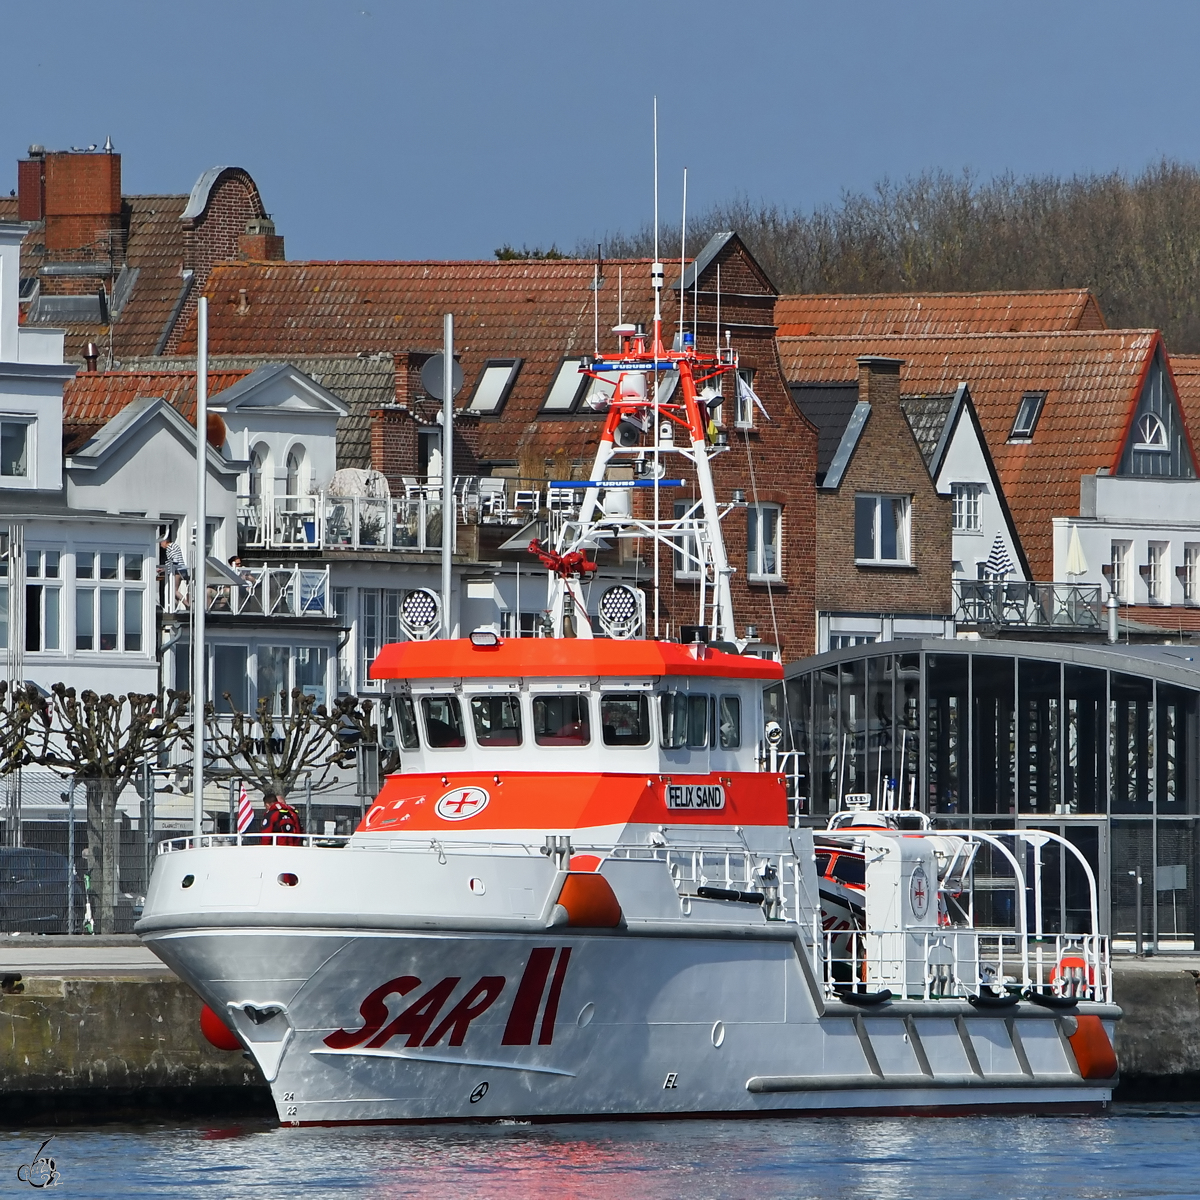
[(656, 282), (682, 255), (596, 303)]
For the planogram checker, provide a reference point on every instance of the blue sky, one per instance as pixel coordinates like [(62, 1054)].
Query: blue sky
[(442, 130)]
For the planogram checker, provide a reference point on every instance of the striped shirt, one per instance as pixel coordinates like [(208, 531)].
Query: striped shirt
[(175, 559)]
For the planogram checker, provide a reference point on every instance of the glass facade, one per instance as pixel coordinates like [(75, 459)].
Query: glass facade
[(1098, 746)]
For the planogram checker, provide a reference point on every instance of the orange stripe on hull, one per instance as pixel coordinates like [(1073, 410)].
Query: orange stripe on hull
[(534, 800)]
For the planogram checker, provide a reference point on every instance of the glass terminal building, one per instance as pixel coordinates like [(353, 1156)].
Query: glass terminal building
[(1099, 744)]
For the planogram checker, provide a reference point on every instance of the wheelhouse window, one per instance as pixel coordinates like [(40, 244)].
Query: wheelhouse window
[(729, 723), (625, 720), (1028, 412), (14, 449), (561, 721), (443, 722), (497, 720), (684, 720), (566, 388), (762, 541), (404, 723), (494, 384), (881, 529), (967, 506)]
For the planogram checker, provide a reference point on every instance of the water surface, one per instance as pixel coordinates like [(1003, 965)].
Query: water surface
[(1134, 1151)]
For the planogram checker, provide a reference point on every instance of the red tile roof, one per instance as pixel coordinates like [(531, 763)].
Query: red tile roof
[(540, 310), (93, 398), (1175, 618), (937, 313), (1186, 370), (1091, 380)]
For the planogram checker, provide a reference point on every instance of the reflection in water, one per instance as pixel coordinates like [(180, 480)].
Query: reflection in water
[(1133, 1152)]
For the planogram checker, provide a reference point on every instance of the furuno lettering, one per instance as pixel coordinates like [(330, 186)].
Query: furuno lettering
[(695, 795)]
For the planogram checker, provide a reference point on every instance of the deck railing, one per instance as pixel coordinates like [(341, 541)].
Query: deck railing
[(1028, 605), (264, 592), (409, 523)]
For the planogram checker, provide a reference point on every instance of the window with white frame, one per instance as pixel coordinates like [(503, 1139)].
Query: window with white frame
[(110, 600), (881, 528), (283, 669), (687, 565), (43, 600), (378, 624), (1157, 559), (744, 399), (1151, 434), (1120, 554), (967, 502), (1191, 572), (341, 610), (763, 540), (16, 438)]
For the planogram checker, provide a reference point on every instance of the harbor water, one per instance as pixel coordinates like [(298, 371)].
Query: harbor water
[(1131, 1151)]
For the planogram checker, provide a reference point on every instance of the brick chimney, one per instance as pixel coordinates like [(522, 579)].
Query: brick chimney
[(260, 242), (31, 185), (879, 380), (82, 206)]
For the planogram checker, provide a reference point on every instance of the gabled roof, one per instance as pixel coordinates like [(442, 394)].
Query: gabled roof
[(244, 390), (93, 398), (362, 382), (540, 309), (933, 313), (1092, 382), (1186, 371), (113, 435), (829, 406)]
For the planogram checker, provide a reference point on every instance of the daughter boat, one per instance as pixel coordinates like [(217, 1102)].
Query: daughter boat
[(582, 896)]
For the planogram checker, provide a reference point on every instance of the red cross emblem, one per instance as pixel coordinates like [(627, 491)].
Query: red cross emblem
[(462, 803)]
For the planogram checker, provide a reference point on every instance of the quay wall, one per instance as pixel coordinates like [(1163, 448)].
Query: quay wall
[(1158, 1038), (105, 1048)]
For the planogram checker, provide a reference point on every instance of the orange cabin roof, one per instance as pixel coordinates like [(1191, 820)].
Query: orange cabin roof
[(554, 658)]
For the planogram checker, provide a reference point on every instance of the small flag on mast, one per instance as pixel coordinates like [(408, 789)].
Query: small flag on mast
[(245, 813)]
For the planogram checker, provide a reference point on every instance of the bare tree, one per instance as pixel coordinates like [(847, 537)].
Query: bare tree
[(101, 742), (273, 750), (1135, 240)]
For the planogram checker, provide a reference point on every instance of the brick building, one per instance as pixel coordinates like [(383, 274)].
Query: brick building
[(883, 532), (525, 414), (122, 272)]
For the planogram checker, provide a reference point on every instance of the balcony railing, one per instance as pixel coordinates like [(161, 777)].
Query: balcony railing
[(1028, 605), (257, 592), (412, 522)]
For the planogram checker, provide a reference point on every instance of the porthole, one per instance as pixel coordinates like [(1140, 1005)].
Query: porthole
[(288, 879), (718, 1033), (188, 880), (586, 1013), (476, 886)]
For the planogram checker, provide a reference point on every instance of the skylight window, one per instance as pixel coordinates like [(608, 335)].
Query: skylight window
[(494, 383), (1028, 412), (565, 389)]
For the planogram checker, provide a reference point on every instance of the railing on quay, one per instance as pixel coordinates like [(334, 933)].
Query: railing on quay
[(1028, 605), (284, 592)]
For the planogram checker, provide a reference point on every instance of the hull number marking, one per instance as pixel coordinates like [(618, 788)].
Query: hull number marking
[(695, 795), (462, 803), (415, 1022)]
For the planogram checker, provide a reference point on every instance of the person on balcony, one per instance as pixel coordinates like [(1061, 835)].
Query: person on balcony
[(281, 818), (175, 570)]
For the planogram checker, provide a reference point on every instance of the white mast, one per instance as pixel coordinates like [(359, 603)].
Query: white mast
[(447, 470)]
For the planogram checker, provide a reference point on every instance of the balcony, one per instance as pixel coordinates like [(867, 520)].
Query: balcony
[(412, 523), (259, 593), (1033, 606)]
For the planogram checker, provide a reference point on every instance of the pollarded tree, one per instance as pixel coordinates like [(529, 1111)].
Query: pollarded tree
[(100, 742), (274, 750)]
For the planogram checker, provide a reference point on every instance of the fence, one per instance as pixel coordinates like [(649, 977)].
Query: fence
[(47, 881)]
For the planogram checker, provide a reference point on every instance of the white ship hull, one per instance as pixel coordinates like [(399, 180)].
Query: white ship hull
[(528, 1019)]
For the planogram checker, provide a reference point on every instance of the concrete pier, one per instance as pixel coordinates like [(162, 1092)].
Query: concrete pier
[(98, 1029)]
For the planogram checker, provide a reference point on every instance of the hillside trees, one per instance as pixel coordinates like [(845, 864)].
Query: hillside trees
[(1135, 240)]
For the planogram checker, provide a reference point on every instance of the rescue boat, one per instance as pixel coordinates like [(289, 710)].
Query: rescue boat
[(582, 895)]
